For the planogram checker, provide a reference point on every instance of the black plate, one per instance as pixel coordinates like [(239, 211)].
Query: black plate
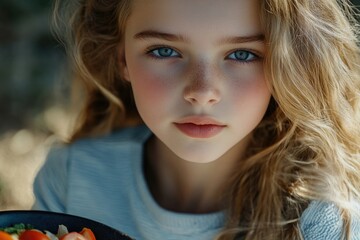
[(50, 221)]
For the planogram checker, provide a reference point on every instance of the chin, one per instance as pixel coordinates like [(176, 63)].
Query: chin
[(199, 156)]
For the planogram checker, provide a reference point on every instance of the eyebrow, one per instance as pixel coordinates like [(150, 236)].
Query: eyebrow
[(161, 35), (148, 34), (243, 39)]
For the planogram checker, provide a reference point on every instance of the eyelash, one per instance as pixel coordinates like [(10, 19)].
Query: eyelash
[(151, 50), (250, 54)]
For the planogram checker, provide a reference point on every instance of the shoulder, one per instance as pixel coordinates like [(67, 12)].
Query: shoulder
[(116, 139), (104, 153), (92, 153), (137, 134), (62, 153), (322, 220), (87, 162)]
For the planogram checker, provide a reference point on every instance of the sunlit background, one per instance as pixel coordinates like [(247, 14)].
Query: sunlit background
[(34, 96)]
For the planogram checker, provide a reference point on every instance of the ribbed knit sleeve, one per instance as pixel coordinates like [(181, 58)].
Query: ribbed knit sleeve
[(322, 220)]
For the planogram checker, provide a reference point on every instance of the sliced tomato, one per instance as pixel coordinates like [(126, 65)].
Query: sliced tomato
[(33, 235), (72, 236), (5, 236), (88, 234)]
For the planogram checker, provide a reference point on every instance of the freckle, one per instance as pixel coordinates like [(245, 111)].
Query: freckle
[(197, 75)]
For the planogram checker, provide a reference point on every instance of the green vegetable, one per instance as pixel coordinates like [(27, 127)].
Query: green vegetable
[(17, 228)]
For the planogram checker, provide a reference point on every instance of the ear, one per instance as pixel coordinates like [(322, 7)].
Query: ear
[(122, 64)]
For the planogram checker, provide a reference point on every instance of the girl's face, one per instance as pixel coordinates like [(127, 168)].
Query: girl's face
[(196, 69)]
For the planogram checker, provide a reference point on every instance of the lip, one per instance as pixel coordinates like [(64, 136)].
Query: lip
[(199, 126)]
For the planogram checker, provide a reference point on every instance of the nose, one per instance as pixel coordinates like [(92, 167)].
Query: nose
[(203, 87)]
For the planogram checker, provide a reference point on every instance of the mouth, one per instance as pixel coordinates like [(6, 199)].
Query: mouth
[(200, 127)]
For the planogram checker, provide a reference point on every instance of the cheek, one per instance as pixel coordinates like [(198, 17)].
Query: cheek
[(153, 90), (146, 81), (251, 95)]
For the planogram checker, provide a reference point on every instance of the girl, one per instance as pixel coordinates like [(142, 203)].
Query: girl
[(234, 119)]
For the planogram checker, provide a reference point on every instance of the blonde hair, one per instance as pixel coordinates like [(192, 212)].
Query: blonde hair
[(308, 145), (312, 65), (91, 31)]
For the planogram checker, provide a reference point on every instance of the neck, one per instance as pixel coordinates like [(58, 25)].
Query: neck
[(183, 186)]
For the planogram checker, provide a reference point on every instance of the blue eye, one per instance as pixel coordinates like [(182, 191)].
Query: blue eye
[(242, 56), (164, 52)]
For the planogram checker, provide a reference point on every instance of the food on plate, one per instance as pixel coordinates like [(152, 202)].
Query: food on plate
[(5, 236), (28, 232), (32, 235)]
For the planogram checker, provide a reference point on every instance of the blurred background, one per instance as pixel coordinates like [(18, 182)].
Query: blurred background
[(34, 90), (34, 96)]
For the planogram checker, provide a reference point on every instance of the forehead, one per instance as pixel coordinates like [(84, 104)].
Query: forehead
[(198, 17)]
